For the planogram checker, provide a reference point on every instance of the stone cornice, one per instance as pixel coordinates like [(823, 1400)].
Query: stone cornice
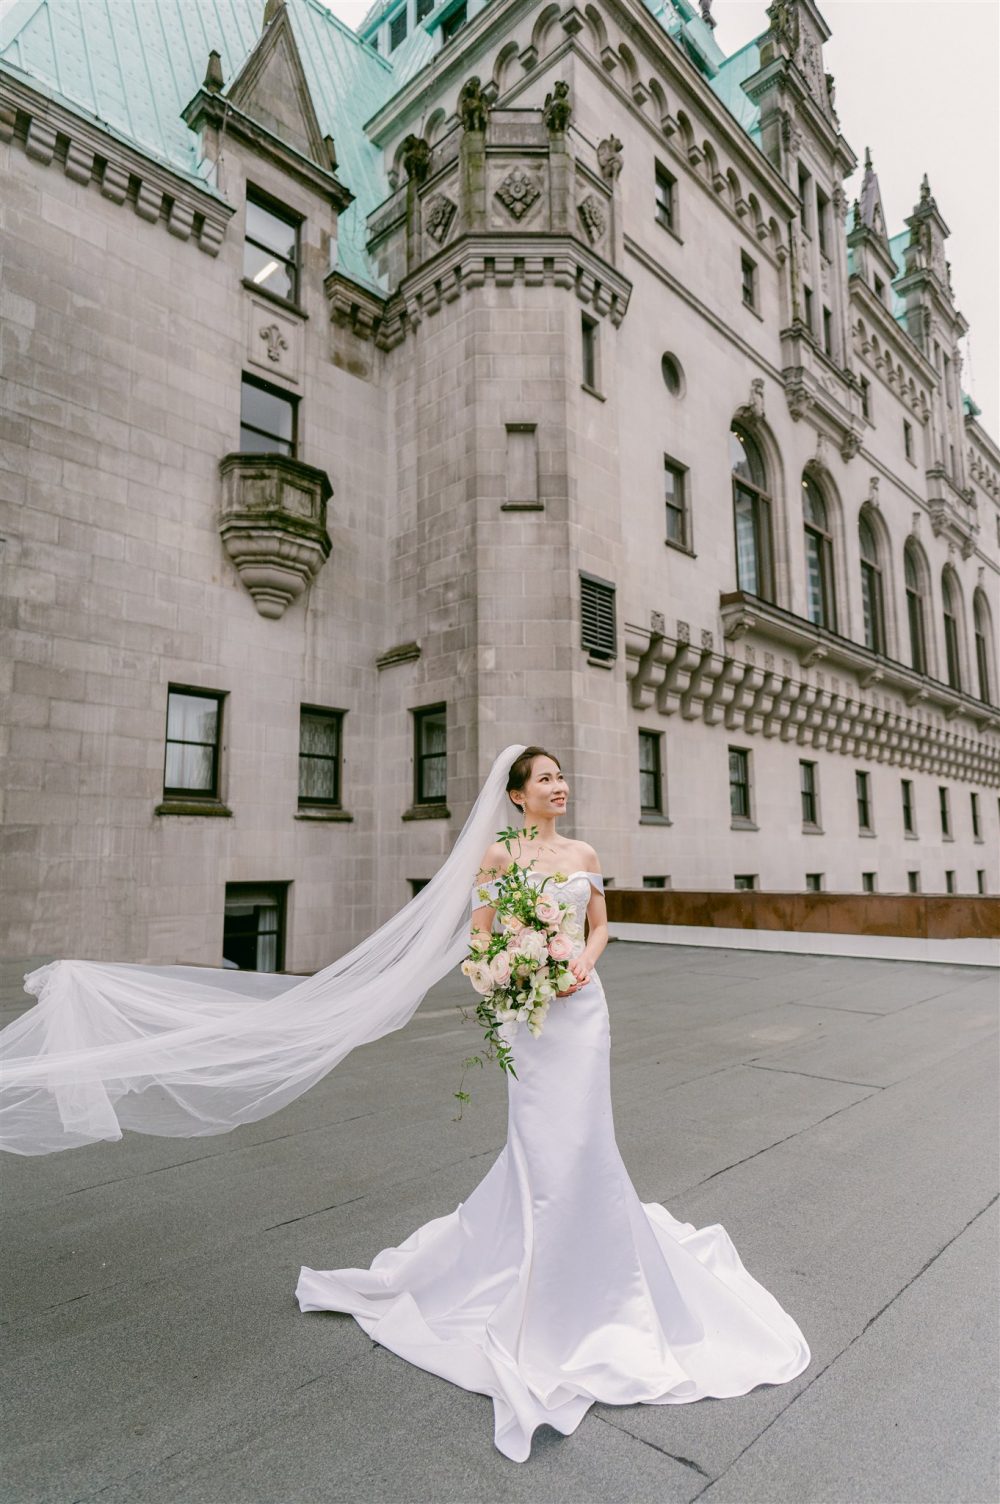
[(888, 715), (890, 328), (470, 261), (51, 133)]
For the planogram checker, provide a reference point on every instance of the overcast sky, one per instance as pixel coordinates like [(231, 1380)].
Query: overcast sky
[(917, 82)]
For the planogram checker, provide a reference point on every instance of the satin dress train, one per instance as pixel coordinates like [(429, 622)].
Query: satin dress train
[(553, 1285)]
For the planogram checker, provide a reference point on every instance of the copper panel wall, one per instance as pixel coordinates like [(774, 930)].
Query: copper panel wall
[(922, 916)]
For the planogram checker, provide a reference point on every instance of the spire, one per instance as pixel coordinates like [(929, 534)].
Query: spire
[(872, 212), (213, 73)]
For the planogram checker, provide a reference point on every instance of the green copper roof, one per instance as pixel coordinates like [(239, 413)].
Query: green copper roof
[(728, 85)]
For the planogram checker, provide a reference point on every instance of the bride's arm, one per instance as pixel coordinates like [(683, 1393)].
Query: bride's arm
[(597, 928), (481, 925)]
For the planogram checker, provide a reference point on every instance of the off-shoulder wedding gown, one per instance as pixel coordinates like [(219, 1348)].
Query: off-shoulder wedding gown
[(553, 1286)]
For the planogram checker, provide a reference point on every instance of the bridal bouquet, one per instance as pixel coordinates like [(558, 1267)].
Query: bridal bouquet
[(518, 969)]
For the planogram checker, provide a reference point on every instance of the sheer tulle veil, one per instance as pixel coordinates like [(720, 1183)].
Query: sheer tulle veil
[(185, 1051)]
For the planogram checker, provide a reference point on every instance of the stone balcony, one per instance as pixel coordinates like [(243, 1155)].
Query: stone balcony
[(273, 525), (954, 513), (814, 385)]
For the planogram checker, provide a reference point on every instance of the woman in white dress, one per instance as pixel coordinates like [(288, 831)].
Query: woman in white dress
[(552, 1285)]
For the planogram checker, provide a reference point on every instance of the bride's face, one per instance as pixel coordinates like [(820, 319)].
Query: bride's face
[(546, 792)]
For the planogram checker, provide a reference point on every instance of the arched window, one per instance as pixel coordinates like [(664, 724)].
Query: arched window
[(949, 596), (984, 637), (913, 575), (752, 517), (820, 603), (872, 592)]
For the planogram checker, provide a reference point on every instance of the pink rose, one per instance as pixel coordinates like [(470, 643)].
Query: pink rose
[(500, 968), (548, 910), (560, 947)]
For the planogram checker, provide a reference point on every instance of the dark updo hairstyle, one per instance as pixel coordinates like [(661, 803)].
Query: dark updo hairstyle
[(520, 770)]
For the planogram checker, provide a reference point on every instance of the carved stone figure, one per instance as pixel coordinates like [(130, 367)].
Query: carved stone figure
[(831, 93), (438, 215), (416, 158), (472, 108), (518, 192), (557, 110), (784, 18), (706, 13), (609, 158)]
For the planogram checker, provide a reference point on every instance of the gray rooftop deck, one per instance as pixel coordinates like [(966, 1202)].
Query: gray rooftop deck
[(837, 1116)]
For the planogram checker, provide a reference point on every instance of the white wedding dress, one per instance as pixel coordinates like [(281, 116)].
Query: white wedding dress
[(553, 1286)]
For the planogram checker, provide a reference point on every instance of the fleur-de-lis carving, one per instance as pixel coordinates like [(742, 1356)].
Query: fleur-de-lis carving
[(275, 341)]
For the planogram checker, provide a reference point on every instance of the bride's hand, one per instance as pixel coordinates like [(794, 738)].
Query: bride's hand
[(581, 971)]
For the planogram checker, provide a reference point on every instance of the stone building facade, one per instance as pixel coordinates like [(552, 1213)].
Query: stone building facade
[(511, 371)]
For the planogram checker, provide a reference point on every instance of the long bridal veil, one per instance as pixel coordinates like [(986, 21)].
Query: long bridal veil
[(184, 1050)]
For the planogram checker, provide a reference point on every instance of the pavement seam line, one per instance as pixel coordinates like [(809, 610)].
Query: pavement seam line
[(786, 1070), (846, 1348), (685, 1461), (806, 1128)]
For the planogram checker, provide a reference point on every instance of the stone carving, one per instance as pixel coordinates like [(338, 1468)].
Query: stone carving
[(756, 404), (872, 497), (557, 110), (657, 623), (472, 108), (784, 18), (609, 158), (831, 94), (518, 192), (791, 135), (416, 158), (275, 341), (592, 214), (705, 7), (438, 215)]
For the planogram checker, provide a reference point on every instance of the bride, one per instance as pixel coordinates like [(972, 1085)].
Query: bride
[(552, 1286)]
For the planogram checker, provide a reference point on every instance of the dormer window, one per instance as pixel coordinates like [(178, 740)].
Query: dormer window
[(879, 288), (397, 29), (452, 23), (271, 248)]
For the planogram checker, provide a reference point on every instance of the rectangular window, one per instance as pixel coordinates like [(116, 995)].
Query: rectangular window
[(807, 309), (745, 882), (810, 794), (651, 772), (748, 272), (656, 882), (739, 785), (951, 648), (417, 885), (253, 936), (194, 727), (320, 745), (869, 882), (814, 882), (430, 755), (866, 398), (949, 882), (863, 791), (913, 882), (588, 340), (909, 813), (597, 615), (452, 23), (424, 8), (980, 880), (267, 419), (946, 382), (907, 439), (977, 829), (805, 183), (666, 197), (823, 222), (397, 29), (271, 248), (944, 806), (675, 500), (827, 332), (879, 287)]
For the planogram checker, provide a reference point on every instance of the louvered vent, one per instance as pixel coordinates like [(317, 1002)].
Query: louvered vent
[(597, 609)]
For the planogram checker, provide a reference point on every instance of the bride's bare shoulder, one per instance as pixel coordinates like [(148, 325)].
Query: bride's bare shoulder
[(495, 862), (589, 860)]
